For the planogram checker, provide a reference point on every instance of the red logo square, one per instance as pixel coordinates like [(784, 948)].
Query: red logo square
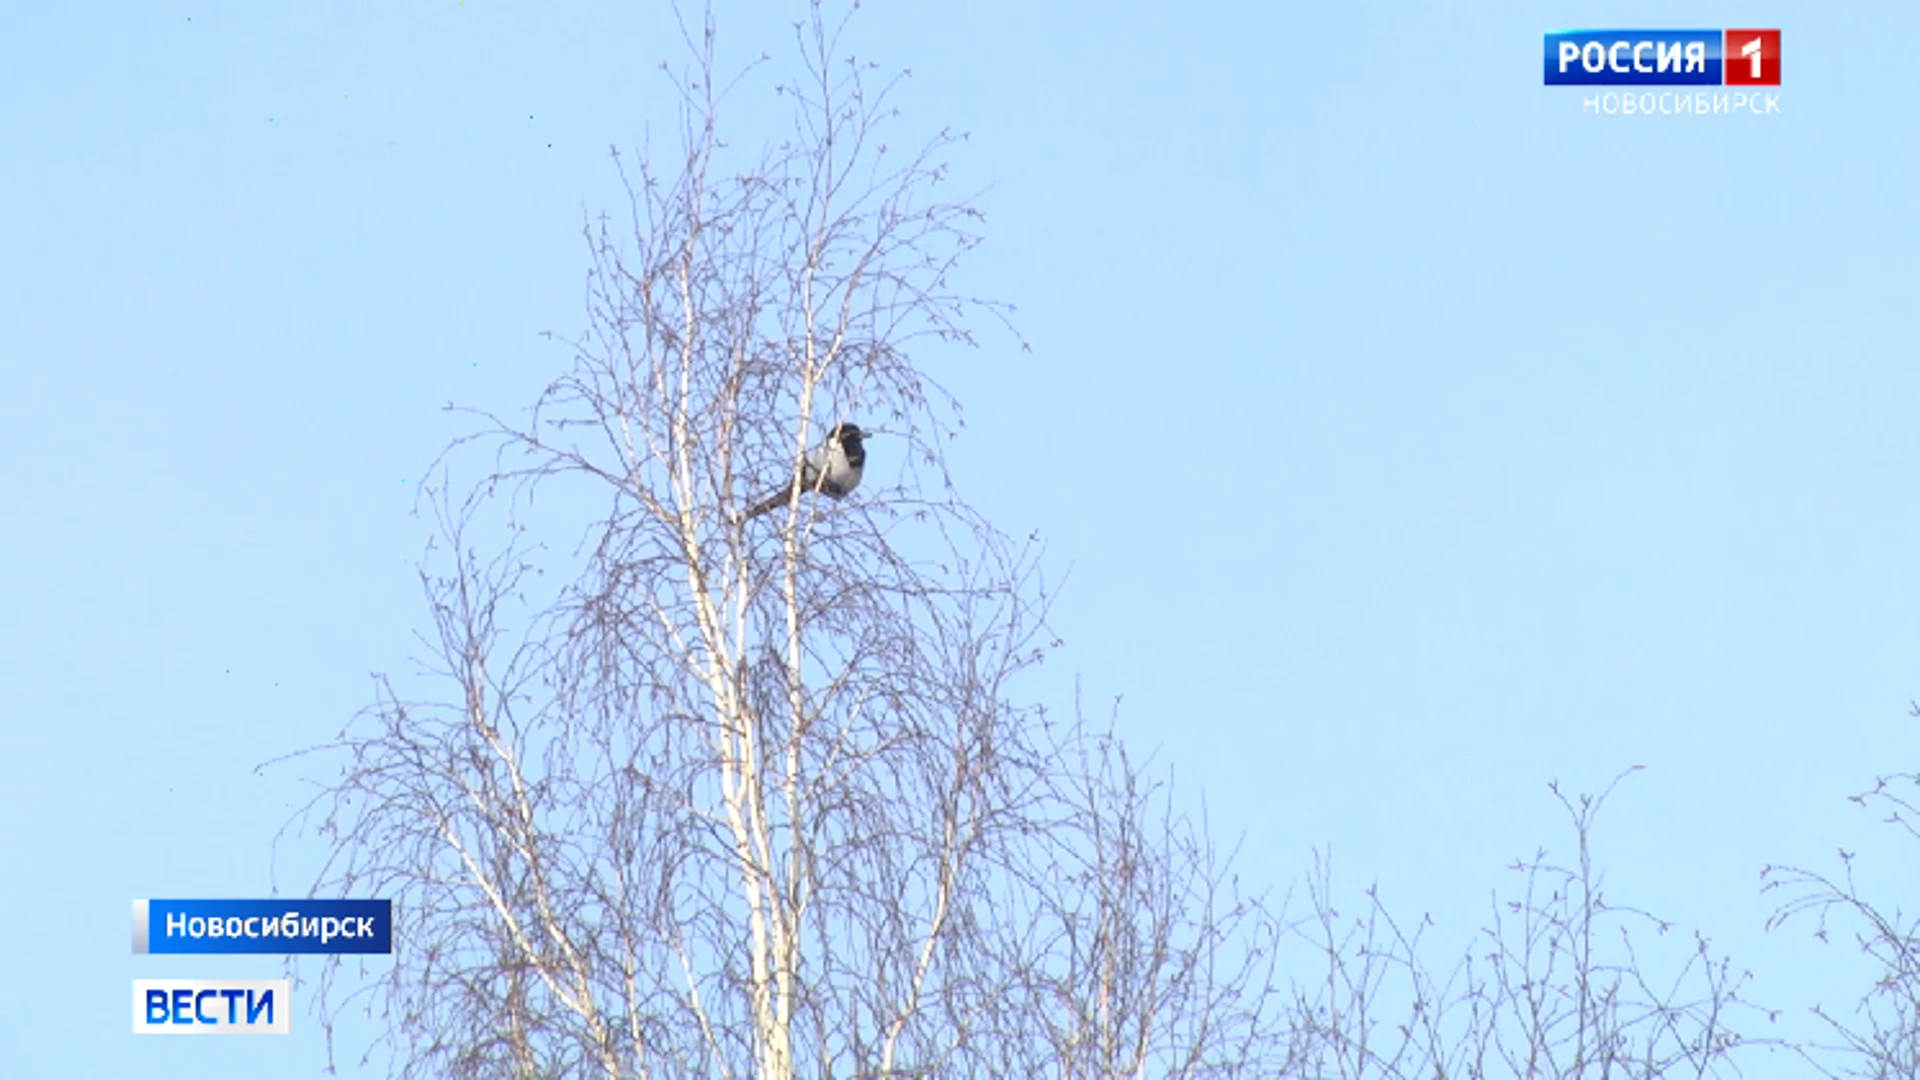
[(1751, 57)]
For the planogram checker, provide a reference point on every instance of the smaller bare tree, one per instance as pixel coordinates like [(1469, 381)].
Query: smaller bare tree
[(1881, 1040), (1557, 987)]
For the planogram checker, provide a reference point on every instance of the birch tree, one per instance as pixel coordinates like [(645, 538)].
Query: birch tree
[(683, 791)]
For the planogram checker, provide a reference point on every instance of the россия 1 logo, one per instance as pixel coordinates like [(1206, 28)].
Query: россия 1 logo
[(1663, 58)]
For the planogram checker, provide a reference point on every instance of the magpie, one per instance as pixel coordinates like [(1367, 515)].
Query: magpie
[(833, 469)]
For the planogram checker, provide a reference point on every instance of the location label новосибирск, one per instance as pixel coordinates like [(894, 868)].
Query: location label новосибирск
[(271, 927)]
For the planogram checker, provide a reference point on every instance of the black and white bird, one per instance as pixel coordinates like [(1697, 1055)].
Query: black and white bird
[(833, 469)]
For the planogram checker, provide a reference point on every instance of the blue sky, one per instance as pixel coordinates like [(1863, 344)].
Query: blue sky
[(1413, 438)]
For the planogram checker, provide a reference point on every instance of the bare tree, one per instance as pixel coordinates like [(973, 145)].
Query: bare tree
[(1881, 1039), (1555, 986), (747, 795)]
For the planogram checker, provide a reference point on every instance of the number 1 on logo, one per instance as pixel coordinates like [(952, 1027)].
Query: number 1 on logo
[(1761, 51)]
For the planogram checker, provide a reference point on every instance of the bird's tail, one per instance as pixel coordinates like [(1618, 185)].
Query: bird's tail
[(769, 504)]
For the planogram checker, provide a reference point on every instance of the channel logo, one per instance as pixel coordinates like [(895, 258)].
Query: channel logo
[(212, 1007), (1663, 58)]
